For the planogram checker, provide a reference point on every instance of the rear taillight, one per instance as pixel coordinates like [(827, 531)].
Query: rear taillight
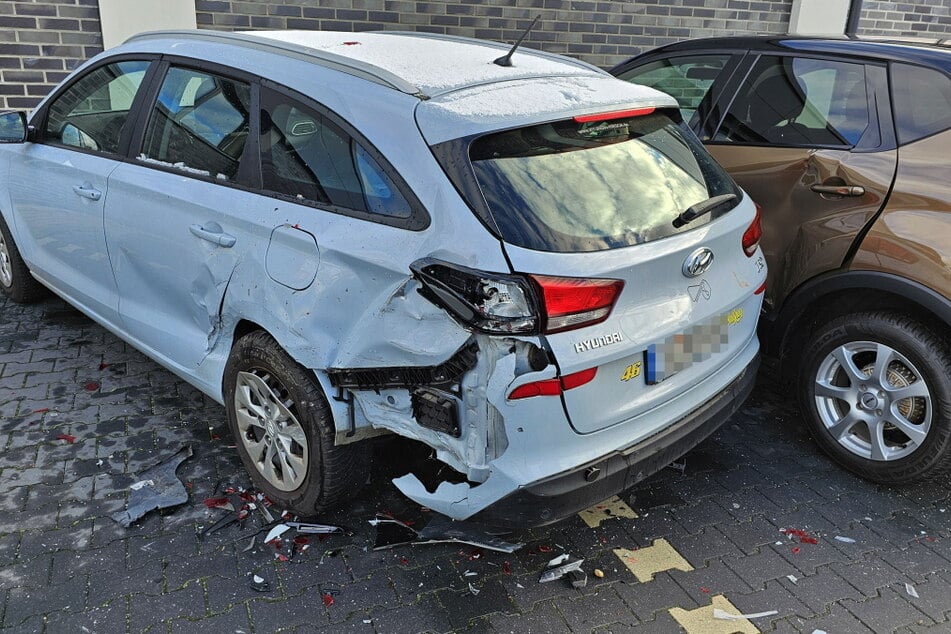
[(553, 387), (571, 302), (752, 234), (490, 302)]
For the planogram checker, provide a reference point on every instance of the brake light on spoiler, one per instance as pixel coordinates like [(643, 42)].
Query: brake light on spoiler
[(617, 114)]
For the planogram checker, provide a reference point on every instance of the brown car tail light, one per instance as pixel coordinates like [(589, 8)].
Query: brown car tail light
[(570, 302), (554, 387), (752, 234)]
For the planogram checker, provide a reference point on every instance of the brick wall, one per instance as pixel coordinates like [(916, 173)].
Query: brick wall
[(40, 42), (603, 33), (922, 18)]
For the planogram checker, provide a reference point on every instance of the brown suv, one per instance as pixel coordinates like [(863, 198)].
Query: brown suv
[(845, 144)]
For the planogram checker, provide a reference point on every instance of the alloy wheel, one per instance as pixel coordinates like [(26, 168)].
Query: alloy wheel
[(6, 267), (269, 429), (873, 401)]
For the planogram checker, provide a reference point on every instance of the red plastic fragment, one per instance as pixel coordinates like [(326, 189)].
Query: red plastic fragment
[(216, 503), (799, 534), (475, 554), (300, 540), (350, 43), (42, 410), (404, 561), (796, 550), (704, 590), (328, 599), (103, 366), (67, 438), (544, 549), (282, 557), (506, 568), (92, 386)]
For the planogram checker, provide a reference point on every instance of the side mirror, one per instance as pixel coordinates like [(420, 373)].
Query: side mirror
[(13, 127)]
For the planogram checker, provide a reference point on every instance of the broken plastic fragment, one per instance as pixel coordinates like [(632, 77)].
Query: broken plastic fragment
[(440, 530), (506, 568), (92, 386), (910, 589), (276, 532), (557, 561), (315, 529), (799, 534), (557, 573), (793, 578), (679, 466), (726, 616), (578, 578), (474, 590), (164, 489), (260, 584), (847, 540), (69, 439), (250, 544), (328, 599)]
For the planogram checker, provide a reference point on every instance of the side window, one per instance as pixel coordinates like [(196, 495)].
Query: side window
[(686, 79), (922, 101), (92, 112), (799, 101), (306, 156), (199, 125)]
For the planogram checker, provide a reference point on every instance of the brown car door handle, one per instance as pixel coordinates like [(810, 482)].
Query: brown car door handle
[(839, 190)]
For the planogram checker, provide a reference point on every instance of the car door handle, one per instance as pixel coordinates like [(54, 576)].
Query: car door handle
[(839, 190), (214, 234), (87, 191)]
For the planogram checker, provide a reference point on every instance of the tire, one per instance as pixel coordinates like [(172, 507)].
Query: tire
[(16, 282), (318, 473), (846, 406)]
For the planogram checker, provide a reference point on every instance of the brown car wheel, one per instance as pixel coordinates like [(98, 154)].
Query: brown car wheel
[(15, 279), (284, 431), (875, 390)]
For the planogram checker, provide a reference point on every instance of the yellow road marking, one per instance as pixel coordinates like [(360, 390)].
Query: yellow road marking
[(610, 508), (646, 562), (701, 621)]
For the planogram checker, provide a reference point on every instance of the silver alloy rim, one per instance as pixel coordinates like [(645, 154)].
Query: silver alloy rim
[(873, 401), (269, 430), (6, 269)]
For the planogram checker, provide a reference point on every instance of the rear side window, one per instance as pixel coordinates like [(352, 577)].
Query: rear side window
[(799, 101), (686, 79), (200, 124), (922, 99), (305, 156), (572, 187), (92, 113)]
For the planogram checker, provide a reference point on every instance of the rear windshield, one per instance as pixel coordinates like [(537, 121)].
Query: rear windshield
[(570, 187)]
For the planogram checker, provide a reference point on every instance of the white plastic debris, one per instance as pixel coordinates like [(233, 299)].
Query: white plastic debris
[(735, 505), (367, 621), (910, 589), (793, 578), (819, 632), (141, 484), (557, 561), (276, 532), (474, 590), (469, 573), (847, 540), (258, 579), (726, 616)]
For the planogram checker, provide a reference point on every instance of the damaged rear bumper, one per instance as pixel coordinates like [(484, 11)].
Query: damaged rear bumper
[(549, 500)]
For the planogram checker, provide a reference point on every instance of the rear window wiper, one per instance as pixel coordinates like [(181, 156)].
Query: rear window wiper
[(701, 208)]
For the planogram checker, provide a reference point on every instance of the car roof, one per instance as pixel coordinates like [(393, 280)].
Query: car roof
[(934, 53), (421, 64)]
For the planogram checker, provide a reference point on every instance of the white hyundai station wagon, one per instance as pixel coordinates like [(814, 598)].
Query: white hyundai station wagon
[(527, 265)]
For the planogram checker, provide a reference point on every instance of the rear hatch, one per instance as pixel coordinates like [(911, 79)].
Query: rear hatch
[(594, 198)]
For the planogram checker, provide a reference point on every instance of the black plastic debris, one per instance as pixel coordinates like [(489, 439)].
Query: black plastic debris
[(157, 488), (259, 583), (440, 530), (559, 571)]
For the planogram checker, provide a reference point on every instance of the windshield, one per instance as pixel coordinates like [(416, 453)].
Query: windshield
[(570, 186)]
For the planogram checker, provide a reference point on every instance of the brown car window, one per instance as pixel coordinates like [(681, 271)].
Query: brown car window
[(199, 125), (91, 113), (799, 102), (922, 102), (687, 79)]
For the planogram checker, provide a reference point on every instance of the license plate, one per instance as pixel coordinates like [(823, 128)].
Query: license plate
[(679, 352)]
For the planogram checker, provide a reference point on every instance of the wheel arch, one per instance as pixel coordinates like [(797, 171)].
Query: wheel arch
[(833, 295)]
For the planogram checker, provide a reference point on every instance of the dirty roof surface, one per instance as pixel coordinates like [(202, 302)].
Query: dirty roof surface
[(434, 65)]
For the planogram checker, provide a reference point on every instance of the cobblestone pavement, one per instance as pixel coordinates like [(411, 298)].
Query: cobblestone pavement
[(707, 537)]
